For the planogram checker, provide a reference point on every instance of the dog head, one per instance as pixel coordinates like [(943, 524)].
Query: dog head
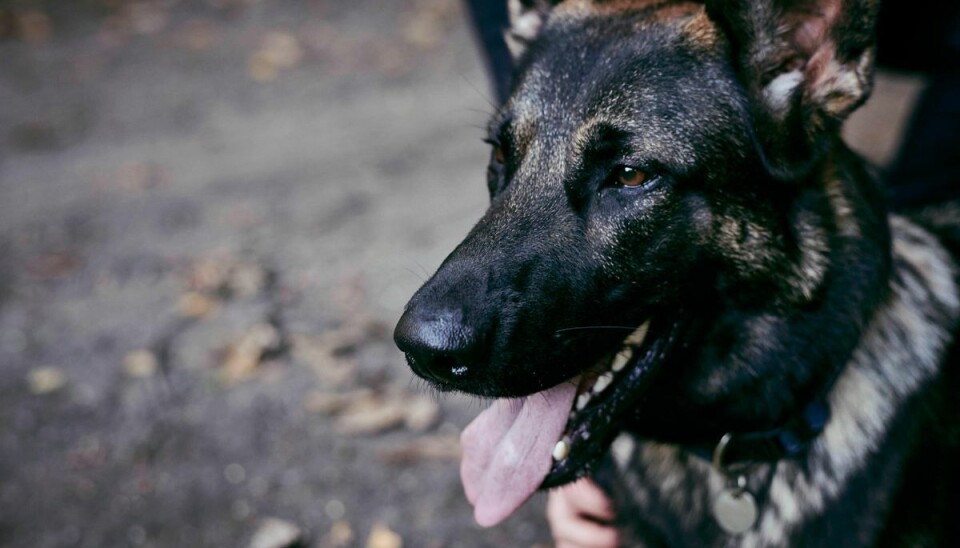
[(672, 167)]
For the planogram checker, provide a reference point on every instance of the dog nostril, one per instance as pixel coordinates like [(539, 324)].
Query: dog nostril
[(436, 346)]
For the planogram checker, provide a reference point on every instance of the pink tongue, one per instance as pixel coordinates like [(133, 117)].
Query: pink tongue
[(507, 450)]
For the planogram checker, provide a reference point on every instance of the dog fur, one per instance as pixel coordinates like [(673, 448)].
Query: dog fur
[(758, 236)]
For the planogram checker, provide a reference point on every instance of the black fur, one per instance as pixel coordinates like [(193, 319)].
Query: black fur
[(759, 248)]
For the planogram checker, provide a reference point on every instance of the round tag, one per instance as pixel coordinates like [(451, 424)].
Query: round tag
[(735, 511)]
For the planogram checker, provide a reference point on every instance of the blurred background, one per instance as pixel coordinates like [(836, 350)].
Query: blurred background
[(211, 214)]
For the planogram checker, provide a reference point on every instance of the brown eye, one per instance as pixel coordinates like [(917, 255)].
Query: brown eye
[(498, 155), (629, 176)]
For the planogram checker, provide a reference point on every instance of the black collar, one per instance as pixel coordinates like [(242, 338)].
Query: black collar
[(790, 440)]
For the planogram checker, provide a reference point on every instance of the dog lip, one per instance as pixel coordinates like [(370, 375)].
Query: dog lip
[(589, 430)]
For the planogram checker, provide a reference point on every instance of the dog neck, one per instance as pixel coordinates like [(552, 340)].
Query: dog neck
[(899, 353)]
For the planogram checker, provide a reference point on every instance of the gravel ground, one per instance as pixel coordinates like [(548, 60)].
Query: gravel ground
[(211, 213)]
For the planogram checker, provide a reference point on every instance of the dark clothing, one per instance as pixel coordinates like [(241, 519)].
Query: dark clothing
[(910, 38)]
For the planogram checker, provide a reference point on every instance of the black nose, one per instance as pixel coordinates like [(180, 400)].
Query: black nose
[(438, 346)]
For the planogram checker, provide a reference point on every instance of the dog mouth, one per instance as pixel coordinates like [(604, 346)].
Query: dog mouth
[(555, 436)]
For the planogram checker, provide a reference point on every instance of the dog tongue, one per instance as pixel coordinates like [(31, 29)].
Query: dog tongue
[(507, 450)]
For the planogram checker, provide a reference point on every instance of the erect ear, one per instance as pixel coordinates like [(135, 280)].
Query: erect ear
[(526, 19), (807, 65)]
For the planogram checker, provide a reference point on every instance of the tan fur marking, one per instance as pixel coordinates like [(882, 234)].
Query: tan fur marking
[(842, 210), (668, 9), (701, 30)]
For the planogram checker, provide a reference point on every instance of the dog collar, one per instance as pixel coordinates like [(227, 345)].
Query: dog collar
[(735, 508), (788, 441)]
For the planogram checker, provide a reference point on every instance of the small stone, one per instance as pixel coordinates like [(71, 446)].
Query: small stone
[(46, 380), (276, 533)]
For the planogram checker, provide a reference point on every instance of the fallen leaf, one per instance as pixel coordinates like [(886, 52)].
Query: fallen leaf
[(339, 536), (326, 354), (245, 354), (445, 448), (196, 305), (278, 51), (366, 411), (246, 279), (381, 536), (35, 27), (140, 364), (146, 17), (329, 403), (370, 418), (208, 275), (45, 380), (139, 176), (199, 35), (276, 533), (51, 266), (226, 275), (422, 413)]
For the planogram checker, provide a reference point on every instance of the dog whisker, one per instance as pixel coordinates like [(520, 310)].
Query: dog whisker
[(586, 327)]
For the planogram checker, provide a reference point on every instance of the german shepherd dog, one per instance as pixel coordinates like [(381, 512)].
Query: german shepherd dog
[(687, 286)]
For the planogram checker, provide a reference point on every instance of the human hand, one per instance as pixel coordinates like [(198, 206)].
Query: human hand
[(579, 515)]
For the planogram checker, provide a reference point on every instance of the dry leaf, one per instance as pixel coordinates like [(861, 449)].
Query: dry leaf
[(146, 17), (45, 380), (325, 354), (278, 51), (208, 275), (371, 418), (140, 364), (367, 412), (246, 279), (199, 35), (226, 275), (51, 266), (382, 537), (339, 536), (244, 355), (277, 533), (446, 448), (139, 176), (196, 305), (34, 27), (422, 413), (334, 402)]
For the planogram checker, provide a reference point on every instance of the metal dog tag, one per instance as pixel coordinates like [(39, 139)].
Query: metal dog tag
[(735, 510)]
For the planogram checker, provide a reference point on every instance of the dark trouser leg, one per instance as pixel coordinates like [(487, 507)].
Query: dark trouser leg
[(489, 18), (927, 169)]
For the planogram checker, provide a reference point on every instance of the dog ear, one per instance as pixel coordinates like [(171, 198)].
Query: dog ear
[(807, 64), (526, 19)]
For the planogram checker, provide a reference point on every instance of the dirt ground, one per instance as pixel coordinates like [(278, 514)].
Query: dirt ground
[(211, 214)]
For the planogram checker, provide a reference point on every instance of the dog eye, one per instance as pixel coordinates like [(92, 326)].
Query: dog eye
[(498, 154), (629, 176)]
